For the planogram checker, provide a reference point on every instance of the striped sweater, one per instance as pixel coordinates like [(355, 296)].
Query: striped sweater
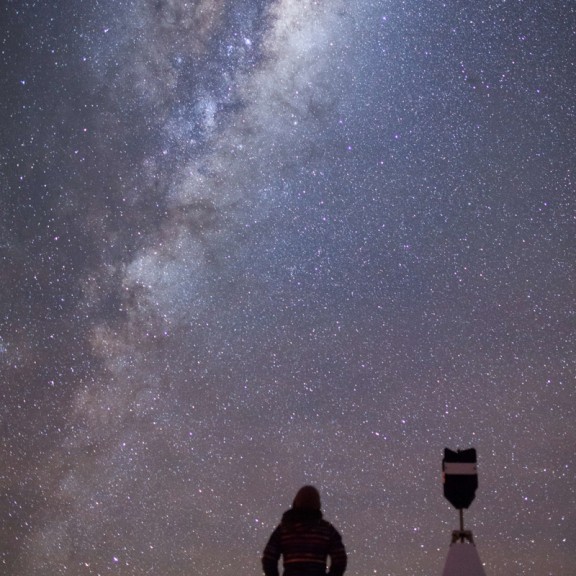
[(305, 541)]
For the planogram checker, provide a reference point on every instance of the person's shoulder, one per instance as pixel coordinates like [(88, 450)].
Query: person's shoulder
[(330, 527), (326, 524)]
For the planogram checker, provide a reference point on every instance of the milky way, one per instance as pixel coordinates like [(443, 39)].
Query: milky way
[(247, 245)]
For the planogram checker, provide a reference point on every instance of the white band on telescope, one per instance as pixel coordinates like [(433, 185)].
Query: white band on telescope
[(460, 468)]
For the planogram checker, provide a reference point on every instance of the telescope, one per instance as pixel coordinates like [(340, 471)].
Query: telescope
[(460, 480)]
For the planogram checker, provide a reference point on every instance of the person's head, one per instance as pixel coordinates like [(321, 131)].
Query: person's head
[(307, 497)]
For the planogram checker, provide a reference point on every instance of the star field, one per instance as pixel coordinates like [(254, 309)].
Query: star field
[(250, 245)]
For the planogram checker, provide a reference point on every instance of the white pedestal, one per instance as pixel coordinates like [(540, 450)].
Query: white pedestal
[(463, 560)]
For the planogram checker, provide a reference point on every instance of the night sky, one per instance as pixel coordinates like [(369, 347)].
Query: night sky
[(247, 245)]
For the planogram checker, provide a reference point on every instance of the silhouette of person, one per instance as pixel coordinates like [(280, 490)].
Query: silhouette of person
[(305, 541)]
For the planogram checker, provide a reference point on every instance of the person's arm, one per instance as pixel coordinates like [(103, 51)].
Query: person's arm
[(337, 553), (271, 554)]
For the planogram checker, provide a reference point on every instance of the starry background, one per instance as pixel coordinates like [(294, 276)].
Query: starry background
[(247, 245)]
